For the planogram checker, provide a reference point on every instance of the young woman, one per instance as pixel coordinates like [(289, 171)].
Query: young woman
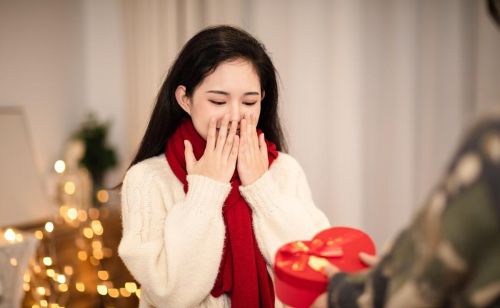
[(211, 195)]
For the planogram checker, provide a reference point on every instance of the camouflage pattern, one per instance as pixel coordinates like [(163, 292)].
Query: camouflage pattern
[(450, 254)]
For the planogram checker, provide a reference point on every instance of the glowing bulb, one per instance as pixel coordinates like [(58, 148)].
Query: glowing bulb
[(80, 287), (82, 255), (49, 226), (102, 289), (69, 188), (72, 213), (40, 290), (61, 278), (39, 234), (138, 293), (63, 287), (43, 303), (103, 275), (102, 196), (88, 233), (124, 292), (59, 166), (26, 287), (114, 293), (19, 237), (10, 235), (82, 215), (68, 270), (47, 261), (27, 277), (131, 287), (97, 227), (50, 273)]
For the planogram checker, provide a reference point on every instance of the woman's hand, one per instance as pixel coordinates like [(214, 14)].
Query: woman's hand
[(219, 159), (252, 153)]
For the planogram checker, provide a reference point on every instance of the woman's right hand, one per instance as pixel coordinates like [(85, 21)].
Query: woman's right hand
[(219, 159)]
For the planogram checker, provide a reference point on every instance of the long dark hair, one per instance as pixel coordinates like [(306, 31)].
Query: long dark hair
[(199, 57)]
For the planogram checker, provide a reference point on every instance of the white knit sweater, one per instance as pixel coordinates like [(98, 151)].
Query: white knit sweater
[(172, 242)]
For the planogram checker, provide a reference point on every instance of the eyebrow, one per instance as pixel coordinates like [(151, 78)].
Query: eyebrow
[(227, 94)]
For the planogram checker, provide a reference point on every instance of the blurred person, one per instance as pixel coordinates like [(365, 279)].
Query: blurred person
[(211, 194), (449, 256)]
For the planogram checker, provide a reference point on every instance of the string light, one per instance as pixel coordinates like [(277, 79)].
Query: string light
[(41, 280), (13, 261), (39, 234), (102, 196), (72, 213), (47, 261), (59, 166), (102, 289), (103, 275), (69, 187), (49, 226), (10, 235)]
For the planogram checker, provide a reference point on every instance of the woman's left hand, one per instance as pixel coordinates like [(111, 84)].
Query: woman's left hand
[(253, 161)]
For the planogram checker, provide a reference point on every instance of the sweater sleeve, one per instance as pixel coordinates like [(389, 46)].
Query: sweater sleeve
[(283, 209), (174, 254)]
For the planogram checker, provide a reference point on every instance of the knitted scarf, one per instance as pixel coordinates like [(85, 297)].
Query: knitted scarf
[(242, 272)]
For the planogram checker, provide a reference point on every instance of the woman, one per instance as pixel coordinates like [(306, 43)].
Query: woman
[(211, 194)]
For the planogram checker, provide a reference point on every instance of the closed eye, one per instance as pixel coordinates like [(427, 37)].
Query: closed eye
[(217, 102), (250, 103)]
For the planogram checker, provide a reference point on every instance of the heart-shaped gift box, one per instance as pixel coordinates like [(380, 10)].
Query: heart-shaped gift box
[(298, 274)]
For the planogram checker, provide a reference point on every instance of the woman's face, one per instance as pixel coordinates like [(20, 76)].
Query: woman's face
[(232, 89)]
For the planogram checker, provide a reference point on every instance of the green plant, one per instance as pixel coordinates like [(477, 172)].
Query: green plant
[(99, 157)]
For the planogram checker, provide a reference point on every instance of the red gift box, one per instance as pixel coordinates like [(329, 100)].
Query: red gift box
[(299, 279)]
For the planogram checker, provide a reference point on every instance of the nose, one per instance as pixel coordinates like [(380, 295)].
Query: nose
[(235, 112)]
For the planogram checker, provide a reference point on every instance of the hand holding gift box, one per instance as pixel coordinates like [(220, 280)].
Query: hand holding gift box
[(298, 266)]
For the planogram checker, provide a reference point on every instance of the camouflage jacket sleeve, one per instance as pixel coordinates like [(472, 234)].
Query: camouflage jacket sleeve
[(450, 254)]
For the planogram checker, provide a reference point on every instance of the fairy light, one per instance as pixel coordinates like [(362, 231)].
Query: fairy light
[(47, 261), (39, 234), (88, 233), (68, 270), (124, 292), (113, 293), (102, 196), (44, 303), (82, 215), (59, 166), (13, 261), (35, 306), (80, 287), (10, 235), (82, 255), (97, 227), (98, 254), (102, 289), (131, 287), (72, 213), (26, 287), (61, 278), (27, 277), (138, 293), (63, 287), (40, 291), (50, 273), (49, 226), (103, 275), (69, 188)]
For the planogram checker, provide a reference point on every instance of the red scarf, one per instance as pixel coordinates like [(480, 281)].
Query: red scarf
[(242, 273)]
